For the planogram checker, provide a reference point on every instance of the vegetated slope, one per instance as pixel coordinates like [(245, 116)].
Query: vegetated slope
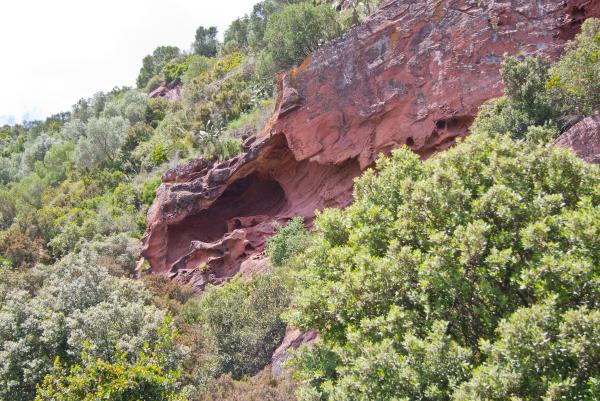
[(74, 191), (472, 275), (413, 73)]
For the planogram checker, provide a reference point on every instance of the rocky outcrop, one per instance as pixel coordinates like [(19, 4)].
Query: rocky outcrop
[(584, 138), (293, 339), (170, 91), (208, 218), (414, 73)]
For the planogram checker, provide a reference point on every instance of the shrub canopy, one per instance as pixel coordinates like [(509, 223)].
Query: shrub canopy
[(447, 272)]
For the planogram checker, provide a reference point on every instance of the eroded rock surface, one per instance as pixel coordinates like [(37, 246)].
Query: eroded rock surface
[(293, 339), (584, 139), (414, 73), (169, 91)]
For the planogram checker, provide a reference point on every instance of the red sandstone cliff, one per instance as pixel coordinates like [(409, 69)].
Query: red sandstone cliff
[(414, 73)]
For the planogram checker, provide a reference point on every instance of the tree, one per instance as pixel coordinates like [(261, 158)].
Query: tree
[(131, 105), (236, 36), (102, 142), (297, 30), (410, 285), (153, 63), (205, 43), (525, 103)]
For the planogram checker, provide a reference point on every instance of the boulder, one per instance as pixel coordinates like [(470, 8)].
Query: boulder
[(583, 138)]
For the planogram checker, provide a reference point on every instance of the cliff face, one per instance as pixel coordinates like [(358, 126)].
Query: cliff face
[(414, 73)]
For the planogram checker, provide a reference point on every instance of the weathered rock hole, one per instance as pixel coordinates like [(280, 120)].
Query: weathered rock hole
[(253, 195), (410, 142), (459, 124)]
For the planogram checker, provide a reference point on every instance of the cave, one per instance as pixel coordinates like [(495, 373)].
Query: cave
[(254, 195)]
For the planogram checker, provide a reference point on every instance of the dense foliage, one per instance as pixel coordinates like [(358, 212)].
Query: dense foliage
[(243, 321), (146, 378), (74, 190), (439, 269), (155, 62), (294, 32), (51, 311)]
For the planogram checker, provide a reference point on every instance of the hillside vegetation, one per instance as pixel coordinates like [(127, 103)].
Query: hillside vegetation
[(474, 275)]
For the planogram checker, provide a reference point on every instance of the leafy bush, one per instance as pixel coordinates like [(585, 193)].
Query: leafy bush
[(253, 121), (525, 102), (154, 83), (149, 190), (288, 242), (575, 80), (437, 259), (154, 63), (159, 155), (197, 65), (146, 378), (175, 69), (242, 319), (75, 302), (130, 104), (297, 30), (540, 353)]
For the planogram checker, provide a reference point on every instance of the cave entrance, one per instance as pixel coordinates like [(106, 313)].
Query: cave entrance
[(253, 195)]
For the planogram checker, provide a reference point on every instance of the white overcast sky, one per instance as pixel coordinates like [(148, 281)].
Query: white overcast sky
[(54, 52)]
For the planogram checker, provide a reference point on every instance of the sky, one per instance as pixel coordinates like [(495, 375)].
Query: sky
[(55, 52)]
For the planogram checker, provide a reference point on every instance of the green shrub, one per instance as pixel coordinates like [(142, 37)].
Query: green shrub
[(72, 302), (411, 282), (153, 83), (243, 320), (575, 79), (147, 377), (296, 31), (220, 148), (525, 102), (159, 155), (174, 69), (149, 190), (288, 242), (154, 63), (197, 65), (537, 94)]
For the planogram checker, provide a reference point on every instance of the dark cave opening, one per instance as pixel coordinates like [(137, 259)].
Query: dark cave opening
[(253, 195)]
